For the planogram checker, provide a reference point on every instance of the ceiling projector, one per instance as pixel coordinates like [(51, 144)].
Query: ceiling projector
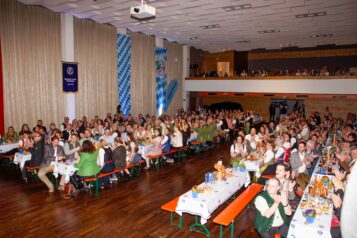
[(142, 12)]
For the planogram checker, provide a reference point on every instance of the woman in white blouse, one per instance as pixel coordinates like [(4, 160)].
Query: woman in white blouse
[(238, 148)]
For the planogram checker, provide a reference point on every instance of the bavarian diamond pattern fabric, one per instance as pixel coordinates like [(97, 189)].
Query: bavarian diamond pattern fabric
[(123, 57), (160, 73)]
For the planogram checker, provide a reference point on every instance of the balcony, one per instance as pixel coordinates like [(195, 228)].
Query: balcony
[(344, 85)]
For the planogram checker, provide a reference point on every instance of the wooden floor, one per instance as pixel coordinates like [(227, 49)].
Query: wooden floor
[(128, 209)]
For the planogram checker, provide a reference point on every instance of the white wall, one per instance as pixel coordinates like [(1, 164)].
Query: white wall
[(308, 86)]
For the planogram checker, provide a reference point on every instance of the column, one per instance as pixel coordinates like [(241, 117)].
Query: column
[(185, 73), (123, 45), (67, 42), (160, 78)]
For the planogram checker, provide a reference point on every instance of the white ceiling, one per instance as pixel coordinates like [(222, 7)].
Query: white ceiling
[(248, 27)]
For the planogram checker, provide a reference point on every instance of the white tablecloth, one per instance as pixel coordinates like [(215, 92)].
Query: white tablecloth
[(252, 165), (322, 224), (7, 147), (207, 203), (21, 159), (64, 170)]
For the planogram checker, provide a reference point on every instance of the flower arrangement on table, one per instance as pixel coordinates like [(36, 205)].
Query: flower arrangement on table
[(310, 215), (195, 191), (242, 166), (235, 161), (325, 179)]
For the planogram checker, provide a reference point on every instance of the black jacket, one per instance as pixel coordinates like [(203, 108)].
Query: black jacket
[(37, 152)]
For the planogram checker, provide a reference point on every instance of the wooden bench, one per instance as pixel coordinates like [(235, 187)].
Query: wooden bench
[(95, 180), (159, 157), (8, 159), (171, 207), (227, 216), (268, 176), (196, 146)]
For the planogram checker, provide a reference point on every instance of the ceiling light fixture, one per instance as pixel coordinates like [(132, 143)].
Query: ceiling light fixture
[(269, 31), (243, 41), (321, 36), (237, 7), (315, 14), (210, 26)]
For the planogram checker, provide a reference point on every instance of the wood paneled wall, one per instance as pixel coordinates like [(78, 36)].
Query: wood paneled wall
[(211, 59), (302, 54), (340, 106)]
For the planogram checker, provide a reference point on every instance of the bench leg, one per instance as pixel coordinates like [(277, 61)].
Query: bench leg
[(97, 187), (134, 171), (172, 220), (203, 227), (159, 162), (232, 229)]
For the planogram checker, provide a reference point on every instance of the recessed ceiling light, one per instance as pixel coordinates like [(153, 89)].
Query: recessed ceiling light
[(95, 6), (314, 14), (269, 31), (210, 26), (237, 7), (72, 5), (321, 35), (243, 41), (286, 45)]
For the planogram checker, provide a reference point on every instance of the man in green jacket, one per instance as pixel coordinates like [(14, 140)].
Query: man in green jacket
[(272, 209)]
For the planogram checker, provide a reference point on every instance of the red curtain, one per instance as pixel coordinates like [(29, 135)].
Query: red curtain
[(2, 129)]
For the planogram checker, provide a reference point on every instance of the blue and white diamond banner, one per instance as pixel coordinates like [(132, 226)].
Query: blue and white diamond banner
[(160, 75), (123, 58)]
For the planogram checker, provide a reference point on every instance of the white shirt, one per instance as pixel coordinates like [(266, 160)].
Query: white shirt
[(269, 155), (177, 140), (287, 145), (304, 133), (253, 144), (279, 152), (235, 149), (193, 136), (292, 141), (302, 168), (100, 159), (109, 139)]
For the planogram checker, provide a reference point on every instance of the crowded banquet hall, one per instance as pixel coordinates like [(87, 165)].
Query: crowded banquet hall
[(178, 118)]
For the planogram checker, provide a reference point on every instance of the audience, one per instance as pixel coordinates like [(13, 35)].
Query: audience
[(289, 150)]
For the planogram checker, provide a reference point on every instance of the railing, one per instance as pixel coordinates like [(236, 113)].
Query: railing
[(342, 85), (275, 77)]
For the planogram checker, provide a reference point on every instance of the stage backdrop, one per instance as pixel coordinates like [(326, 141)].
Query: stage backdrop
[(160, 64), (124, 85)]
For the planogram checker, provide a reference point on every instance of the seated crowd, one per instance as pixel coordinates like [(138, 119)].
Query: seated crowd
[(104, 145), (289, 152), (287, 149), (323, 71)]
